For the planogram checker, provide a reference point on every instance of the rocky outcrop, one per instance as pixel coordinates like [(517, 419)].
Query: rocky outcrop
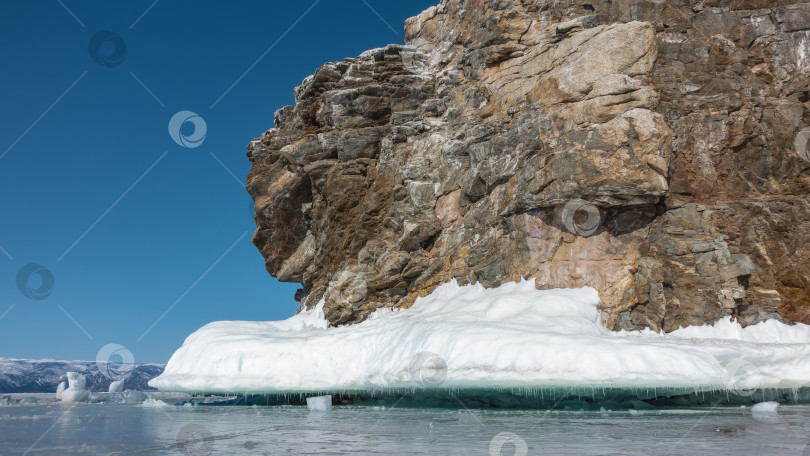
[(654, 150)]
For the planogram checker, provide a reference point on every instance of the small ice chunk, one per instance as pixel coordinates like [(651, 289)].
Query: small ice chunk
[(76, 380), (76, 391), (129, 397), (116, 386), (765, 407), (153, 403), (319, 403), (60, 389)]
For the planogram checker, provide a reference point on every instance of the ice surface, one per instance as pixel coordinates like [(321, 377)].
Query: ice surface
[(124, 429), (76, 391), (513, 336), (765, 407), (116, 386), (319, 403)]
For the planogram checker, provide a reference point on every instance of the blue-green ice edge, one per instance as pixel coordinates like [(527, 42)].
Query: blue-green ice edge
[(548, 398)]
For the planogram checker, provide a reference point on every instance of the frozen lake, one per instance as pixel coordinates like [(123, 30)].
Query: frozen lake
[(95, 429)]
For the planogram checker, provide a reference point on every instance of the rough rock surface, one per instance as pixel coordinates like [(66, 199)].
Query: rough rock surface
[(655, 150)]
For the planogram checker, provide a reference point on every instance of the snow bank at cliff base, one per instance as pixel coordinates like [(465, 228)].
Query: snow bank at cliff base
[(513, 336)]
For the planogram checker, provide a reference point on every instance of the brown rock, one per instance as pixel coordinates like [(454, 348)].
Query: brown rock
[(655, 151)]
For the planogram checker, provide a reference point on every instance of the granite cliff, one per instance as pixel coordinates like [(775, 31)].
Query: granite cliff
[(654, 150)]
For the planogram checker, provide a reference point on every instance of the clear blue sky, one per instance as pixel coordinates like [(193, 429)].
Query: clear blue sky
[(94, 189)]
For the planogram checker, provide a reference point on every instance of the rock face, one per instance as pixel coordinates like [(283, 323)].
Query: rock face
[(654, 150)]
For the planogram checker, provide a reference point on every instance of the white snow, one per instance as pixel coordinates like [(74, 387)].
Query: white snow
[(765, 407), (76, 391), (116, 386), (513, 336), (319, 403)]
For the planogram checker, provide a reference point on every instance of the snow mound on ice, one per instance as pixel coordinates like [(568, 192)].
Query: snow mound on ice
[(76, 391), (512, 336), (765, 407), (60, 389)]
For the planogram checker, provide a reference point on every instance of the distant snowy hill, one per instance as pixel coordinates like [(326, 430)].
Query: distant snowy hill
[(43, 376)]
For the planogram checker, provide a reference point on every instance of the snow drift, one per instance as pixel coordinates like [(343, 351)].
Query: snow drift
[(513, 336)]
